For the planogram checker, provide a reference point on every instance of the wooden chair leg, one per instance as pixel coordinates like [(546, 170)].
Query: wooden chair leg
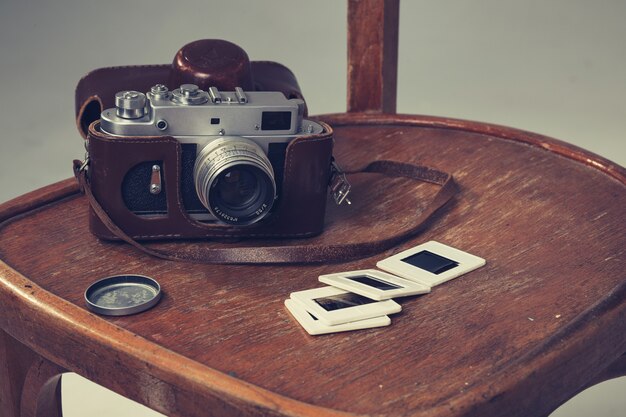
[(614, 370), (30, 386)]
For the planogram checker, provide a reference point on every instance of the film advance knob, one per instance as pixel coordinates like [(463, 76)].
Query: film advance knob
[(130, 104)]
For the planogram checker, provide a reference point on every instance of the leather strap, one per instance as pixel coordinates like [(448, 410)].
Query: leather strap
[(299, 253)]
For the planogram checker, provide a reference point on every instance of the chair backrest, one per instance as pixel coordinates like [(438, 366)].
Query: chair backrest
[(372, 55)]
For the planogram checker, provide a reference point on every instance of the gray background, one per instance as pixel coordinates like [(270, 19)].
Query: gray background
[(553, 67)]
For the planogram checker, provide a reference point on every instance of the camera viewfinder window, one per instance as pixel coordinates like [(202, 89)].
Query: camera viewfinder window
[(431, 262), (341, 301), (276, 120), (373, 282)]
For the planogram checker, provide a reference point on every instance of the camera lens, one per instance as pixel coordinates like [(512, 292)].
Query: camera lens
[(237, 187), (235, 180)]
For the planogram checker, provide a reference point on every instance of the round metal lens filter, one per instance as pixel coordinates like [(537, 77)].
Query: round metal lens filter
[(122, 295)]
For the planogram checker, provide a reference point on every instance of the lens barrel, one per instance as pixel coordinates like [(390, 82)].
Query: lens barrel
[(234, 180)]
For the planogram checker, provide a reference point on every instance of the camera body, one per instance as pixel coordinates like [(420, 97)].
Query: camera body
[(232, 153)]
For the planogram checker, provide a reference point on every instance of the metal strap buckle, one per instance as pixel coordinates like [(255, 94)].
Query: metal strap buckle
[(339, 185), (85, 163)]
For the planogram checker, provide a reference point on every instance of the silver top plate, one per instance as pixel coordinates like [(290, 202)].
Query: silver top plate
[(235, 113)]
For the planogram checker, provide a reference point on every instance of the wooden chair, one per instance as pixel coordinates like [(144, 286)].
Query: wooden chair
[(545, 318)]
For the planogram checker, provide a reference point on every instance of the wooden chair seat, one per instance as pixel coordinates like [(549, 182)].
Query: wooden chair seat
[(542, 319)]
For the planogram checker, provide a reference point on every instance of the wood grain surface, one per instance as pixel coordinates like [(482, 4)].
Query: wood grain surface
[(525, 332)]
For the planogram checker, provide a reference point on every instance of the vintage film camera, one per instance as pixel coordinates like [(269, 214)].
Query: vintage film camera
[(234, 162)]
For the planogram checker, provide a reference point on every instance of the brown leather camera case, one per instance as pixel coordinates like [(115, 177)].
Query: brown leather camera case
[(299, 211)]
